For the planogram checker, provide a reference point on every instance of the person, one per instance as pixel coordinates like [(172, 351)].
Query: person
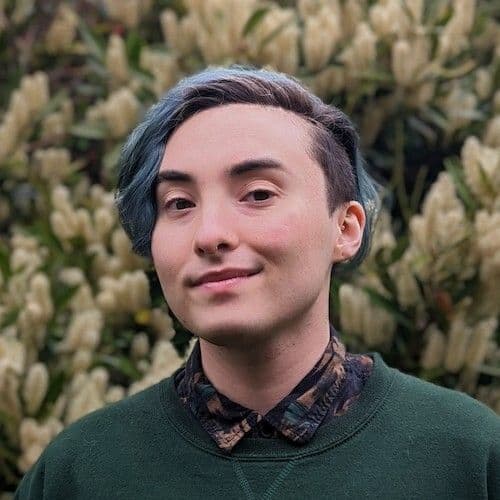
[(248, 192)]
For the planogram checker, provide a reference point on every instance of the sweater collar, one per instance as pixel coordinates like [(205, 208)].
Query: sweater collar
[(385, 384), (327, 390)]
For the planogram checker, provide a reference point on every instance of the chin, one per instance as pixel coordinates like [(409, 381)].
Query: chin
[(230, 334)]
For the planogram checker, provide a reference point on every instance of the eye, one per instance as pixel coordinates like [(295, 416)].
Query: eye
[(258, 193), (178, 202)]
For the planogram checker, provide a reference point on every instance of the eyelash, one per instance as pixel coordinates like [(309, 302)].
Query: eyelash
[(173, 200)]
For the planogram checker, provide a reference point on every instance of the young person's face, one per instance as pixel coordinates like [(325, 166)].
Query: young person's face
[(256, 201)]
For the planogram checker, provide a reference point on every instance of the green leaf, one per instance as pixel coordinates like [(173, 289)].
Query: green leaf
[(390, 306), (90, 41), (402, 244), (62, 294), (422, 129), (418, 187), (256, 17), (435, 117), (176, 5), (56, 385), (434, 14), (432, 374), (384, 276), (89, 130), (7, 419), (90, 90), (486, 181), (110, 159), (455, 170), (121, 364), (54, 102), (4, 261), (41, 229), (467, 288), (10, 318), (134, 44), (401, 347), (456, 72), (377, 75)]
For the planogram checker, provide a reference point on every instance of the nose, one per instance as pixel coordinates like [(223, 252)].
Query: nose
[(216, 232)]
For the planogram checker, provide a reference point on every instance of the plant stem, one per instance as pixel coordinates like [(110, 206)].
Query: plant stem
[(398, 176)]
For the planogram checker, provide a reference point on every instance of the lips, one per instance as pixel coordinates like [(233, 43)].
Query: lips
[(223, 274)]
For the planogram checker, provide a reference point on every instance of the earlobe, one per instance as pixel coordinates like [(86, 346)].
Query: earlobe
[(338, 252)]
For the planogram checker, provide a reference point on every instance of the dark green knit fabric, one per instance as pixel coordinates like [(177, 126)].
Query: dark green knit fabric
[(403, 439)]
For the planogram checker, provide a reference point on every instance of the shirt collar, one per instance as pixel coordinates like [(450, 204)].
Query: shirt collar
[(296, 417)]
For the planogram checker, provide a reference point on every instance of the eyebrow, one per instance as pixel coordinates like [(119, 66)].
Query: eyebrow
[(236, 170)]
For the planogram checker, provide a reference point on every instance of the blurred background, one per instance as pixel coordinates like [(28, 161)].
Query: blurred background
[(82, 319)]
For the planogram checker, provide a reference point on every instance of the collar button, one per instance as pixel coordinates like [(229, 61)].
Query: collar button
[(266, 430)]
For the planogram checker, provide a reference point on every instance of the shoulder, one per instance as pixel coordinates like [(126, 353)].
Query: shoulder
[(88, 445), (448, 400), (125, 419), (445, 424), (447, 410)]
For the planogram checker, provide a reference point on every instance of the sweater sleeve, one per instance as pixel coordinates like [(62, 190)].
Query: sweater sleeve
[(494, 469), (32, 483)]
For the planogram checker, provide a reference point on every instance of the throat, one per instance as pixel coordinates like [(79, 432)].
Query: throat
[(260, 381)]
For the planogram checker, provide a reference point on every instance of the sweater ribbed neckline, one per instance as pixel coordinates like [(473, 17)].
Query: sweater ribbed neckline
[(338, 430)]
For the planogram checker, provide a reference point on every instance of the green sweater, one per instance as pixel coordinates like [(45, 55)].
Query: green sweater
[(404, 438)]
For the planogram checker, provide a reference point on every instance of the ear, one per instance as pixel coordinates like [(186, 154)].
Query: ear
[(350, 220)]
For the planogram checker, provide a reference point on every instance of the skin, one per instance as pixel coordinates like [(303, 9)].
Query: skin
[(272, 327)]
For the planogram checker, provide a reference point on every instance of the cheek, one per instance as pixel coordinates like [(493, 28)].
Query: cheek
[(164, 258), (157, 250), (281, 237), (302, 237)]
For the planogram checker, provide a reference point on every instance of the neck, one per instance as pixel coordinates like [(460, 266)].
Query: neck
[(259, 377)]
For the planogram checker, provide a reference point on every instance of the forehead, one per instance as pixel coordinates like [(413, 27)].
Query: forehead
[(230, 134)]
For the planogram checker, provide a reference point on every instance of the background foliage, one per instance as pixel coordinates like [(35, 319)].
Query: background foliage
[(82, 320)]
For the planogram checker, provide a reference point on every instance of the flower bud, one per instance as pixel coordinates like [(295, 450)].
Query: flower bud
[(434, 351), (35, 387), (116, 59), (140, 346)]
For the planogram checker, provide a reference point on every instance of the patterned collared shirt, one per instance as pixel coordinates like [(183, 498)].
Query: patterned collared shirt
[(328, 390)]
